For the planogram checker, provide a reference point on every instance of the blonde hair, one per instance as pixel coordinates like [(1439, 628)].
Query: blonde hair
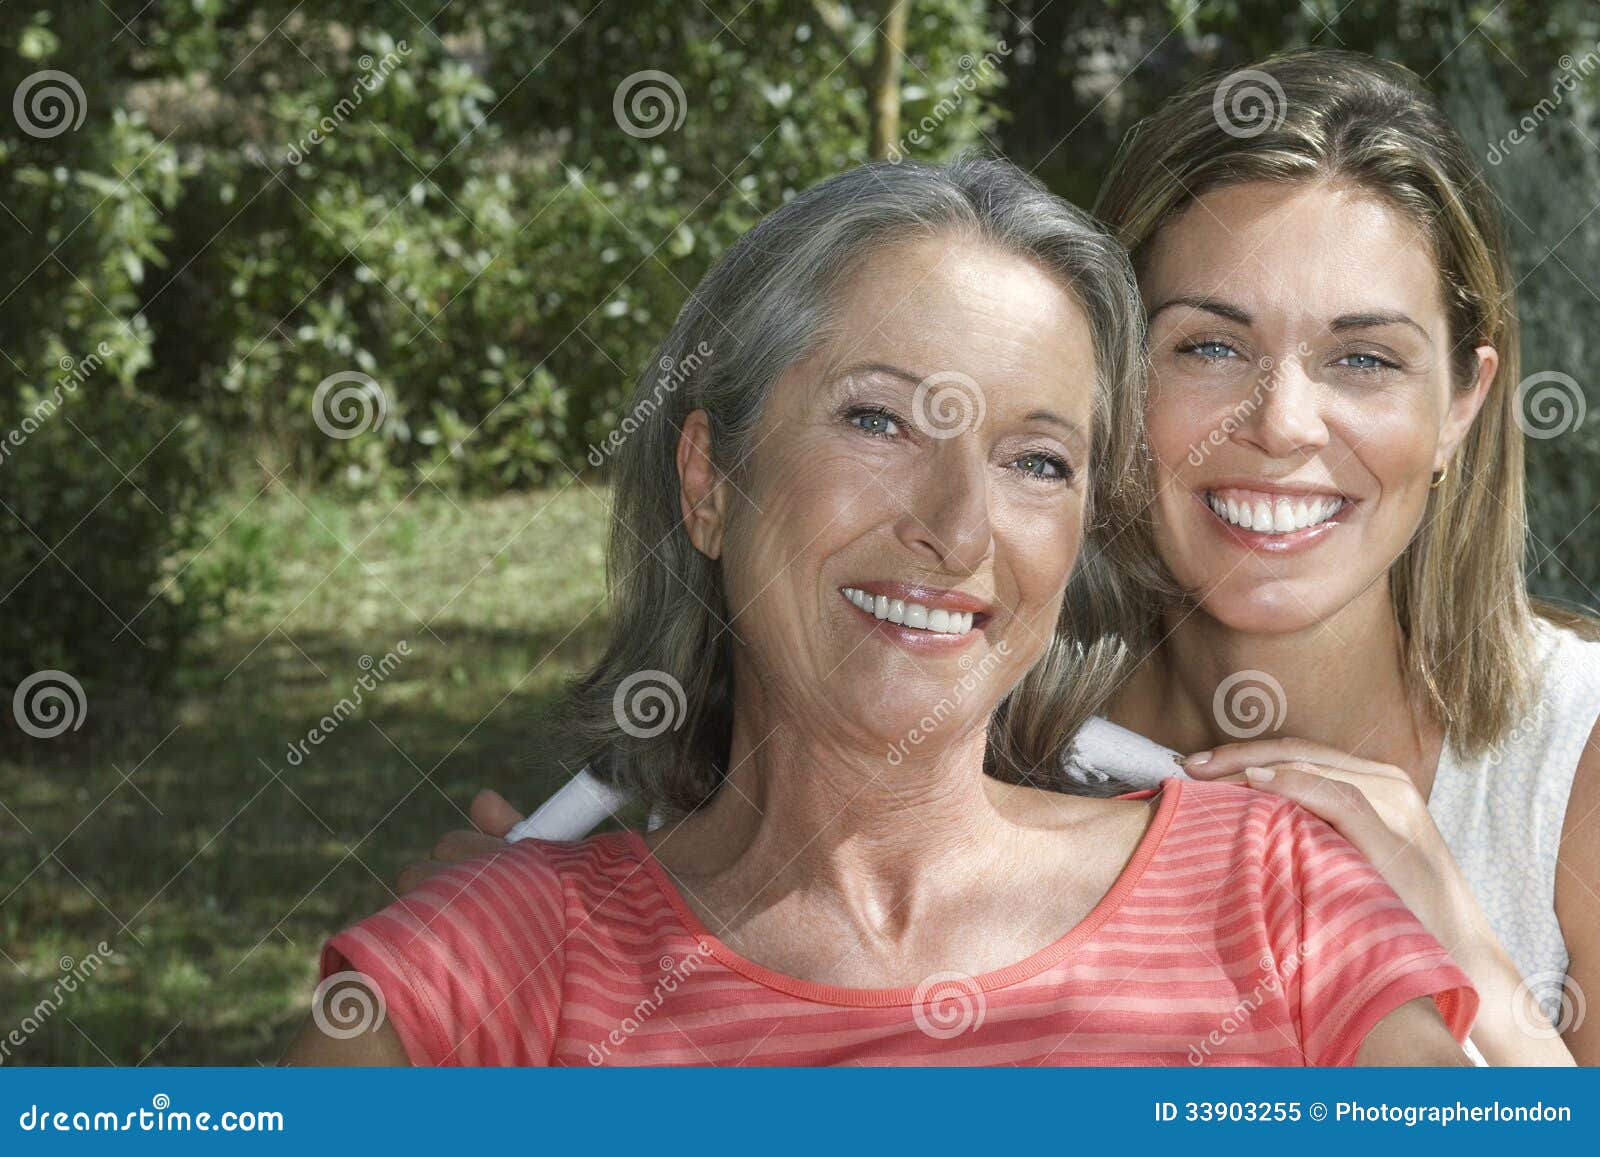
[(1320, 114)]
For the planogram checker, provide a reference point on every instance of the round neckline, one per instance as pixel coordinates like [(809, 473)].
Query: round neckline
[(1030, 966)]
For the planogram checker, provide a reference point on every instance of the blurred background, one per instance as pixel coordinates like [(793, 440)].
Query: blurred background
[(315, 318)]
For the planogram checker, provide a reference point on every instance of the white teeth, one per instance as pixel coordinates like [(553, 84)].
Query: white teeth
[(1282, 516), (933, 619)]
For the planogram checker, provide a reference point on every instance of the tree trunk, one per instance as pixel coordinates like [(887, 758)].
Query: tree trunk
[(883, 87)]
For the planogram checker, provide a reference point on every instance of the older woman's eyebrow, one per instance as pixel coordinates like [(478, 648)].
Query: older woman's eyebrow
[(878, 368), (1210, 304), (1054, 418), (1374, 320)]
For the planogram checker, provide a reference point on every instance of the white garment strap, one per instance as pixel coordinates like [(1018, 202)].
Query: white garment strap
[(1102, 749), (573, 812)]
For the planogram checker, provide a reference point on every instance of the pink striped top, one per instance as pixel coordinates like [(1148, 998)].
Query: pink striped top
[(1243, 931)]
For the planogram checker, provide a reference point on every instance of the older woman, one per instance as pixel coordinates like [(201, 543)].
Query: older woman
[(839, 559)]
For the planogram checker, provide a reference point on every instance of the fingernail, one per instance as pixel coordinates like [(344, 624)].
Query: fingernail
[(1259, 774), (1179, 758), (1198, 758)]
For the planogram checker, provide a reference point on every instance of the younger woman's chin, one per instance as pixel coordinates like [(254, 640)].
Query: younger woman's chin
[(1270, 608)]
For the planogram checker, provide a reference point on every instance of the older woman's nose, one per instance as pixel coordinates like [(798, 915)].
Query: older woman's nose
[(947, 520)]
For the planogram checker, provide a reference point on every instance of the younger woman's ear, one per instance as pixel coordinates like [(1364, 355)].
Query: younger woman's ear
[(1464, 406), (702, 494)]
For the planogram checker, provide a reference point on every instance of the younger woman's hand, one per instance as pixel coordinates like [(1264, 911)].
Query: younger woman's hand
[(493, 818), (1375, 806)]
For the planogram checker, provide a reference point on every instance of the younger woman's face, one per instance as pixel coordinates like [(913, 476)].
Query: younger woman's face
[(1301, 397)]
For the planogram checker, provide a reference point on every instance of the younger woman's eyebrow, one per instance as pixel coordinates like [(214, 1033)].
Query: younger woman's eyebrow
[(1210, 304), (1375, 319)]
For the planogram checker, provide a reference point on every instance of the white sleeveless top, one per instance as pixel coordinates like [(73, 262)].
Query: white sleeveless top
[(1500, 814)]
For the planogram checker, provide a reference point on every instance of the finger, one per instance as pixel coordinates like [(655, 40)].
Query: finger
[(1228, 758), (413, 876), (1341, 803), (456, 846), (492, 814)]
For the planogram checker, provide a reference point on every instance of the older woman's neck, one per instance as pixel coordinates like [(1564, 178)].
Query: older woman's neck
[(799, 799)]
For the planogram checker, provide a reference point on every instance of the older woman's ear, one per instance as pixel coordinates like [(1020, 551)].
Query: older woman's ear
[(701, 493)]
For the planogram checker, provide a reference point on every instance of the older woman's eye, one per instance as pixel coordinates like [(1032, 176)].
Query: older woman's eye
[(878, 422), (1045, 466)]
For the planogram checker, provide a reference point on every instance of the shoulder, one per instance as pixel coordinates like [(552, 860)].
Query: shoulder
[(445, 960)]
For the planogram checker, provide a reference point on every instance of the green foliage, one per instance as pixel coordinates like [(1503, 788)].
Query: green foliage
[(100, 476)]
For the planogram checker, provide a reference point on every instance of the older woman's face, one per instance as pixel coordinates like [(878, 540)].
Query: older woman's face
[(1300, 397), (916, 496)]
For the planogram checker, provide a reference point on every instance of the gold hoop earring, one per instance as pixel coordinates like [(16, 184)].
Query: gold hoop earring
[(1439, 477)]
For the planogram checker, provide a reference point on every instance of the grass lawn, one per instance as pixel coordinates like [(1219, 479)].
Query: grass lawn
[(211, 864)]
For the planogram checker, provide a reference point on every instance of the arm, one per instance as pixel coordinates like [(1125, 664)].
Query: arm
[(1378, 809), (1578, 902), (1413, 1034), (313, 1046)]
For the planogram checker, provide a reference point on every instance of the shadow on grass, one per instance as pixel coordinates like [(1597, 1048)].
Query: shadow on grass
[(212, 865)]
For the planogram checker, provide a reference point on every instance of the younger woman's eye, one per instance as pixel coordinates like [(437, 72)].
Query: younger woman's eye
[(1045, 466), (1213, 350), (878, 422), (1364, 361)]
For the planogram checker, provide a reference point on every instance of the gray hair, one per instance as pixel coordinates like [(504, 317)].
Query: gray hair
[(654, 715)]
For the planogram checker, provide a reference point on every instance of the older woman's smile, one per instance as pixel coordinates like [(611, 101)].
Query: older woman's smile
[(925, 610)]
